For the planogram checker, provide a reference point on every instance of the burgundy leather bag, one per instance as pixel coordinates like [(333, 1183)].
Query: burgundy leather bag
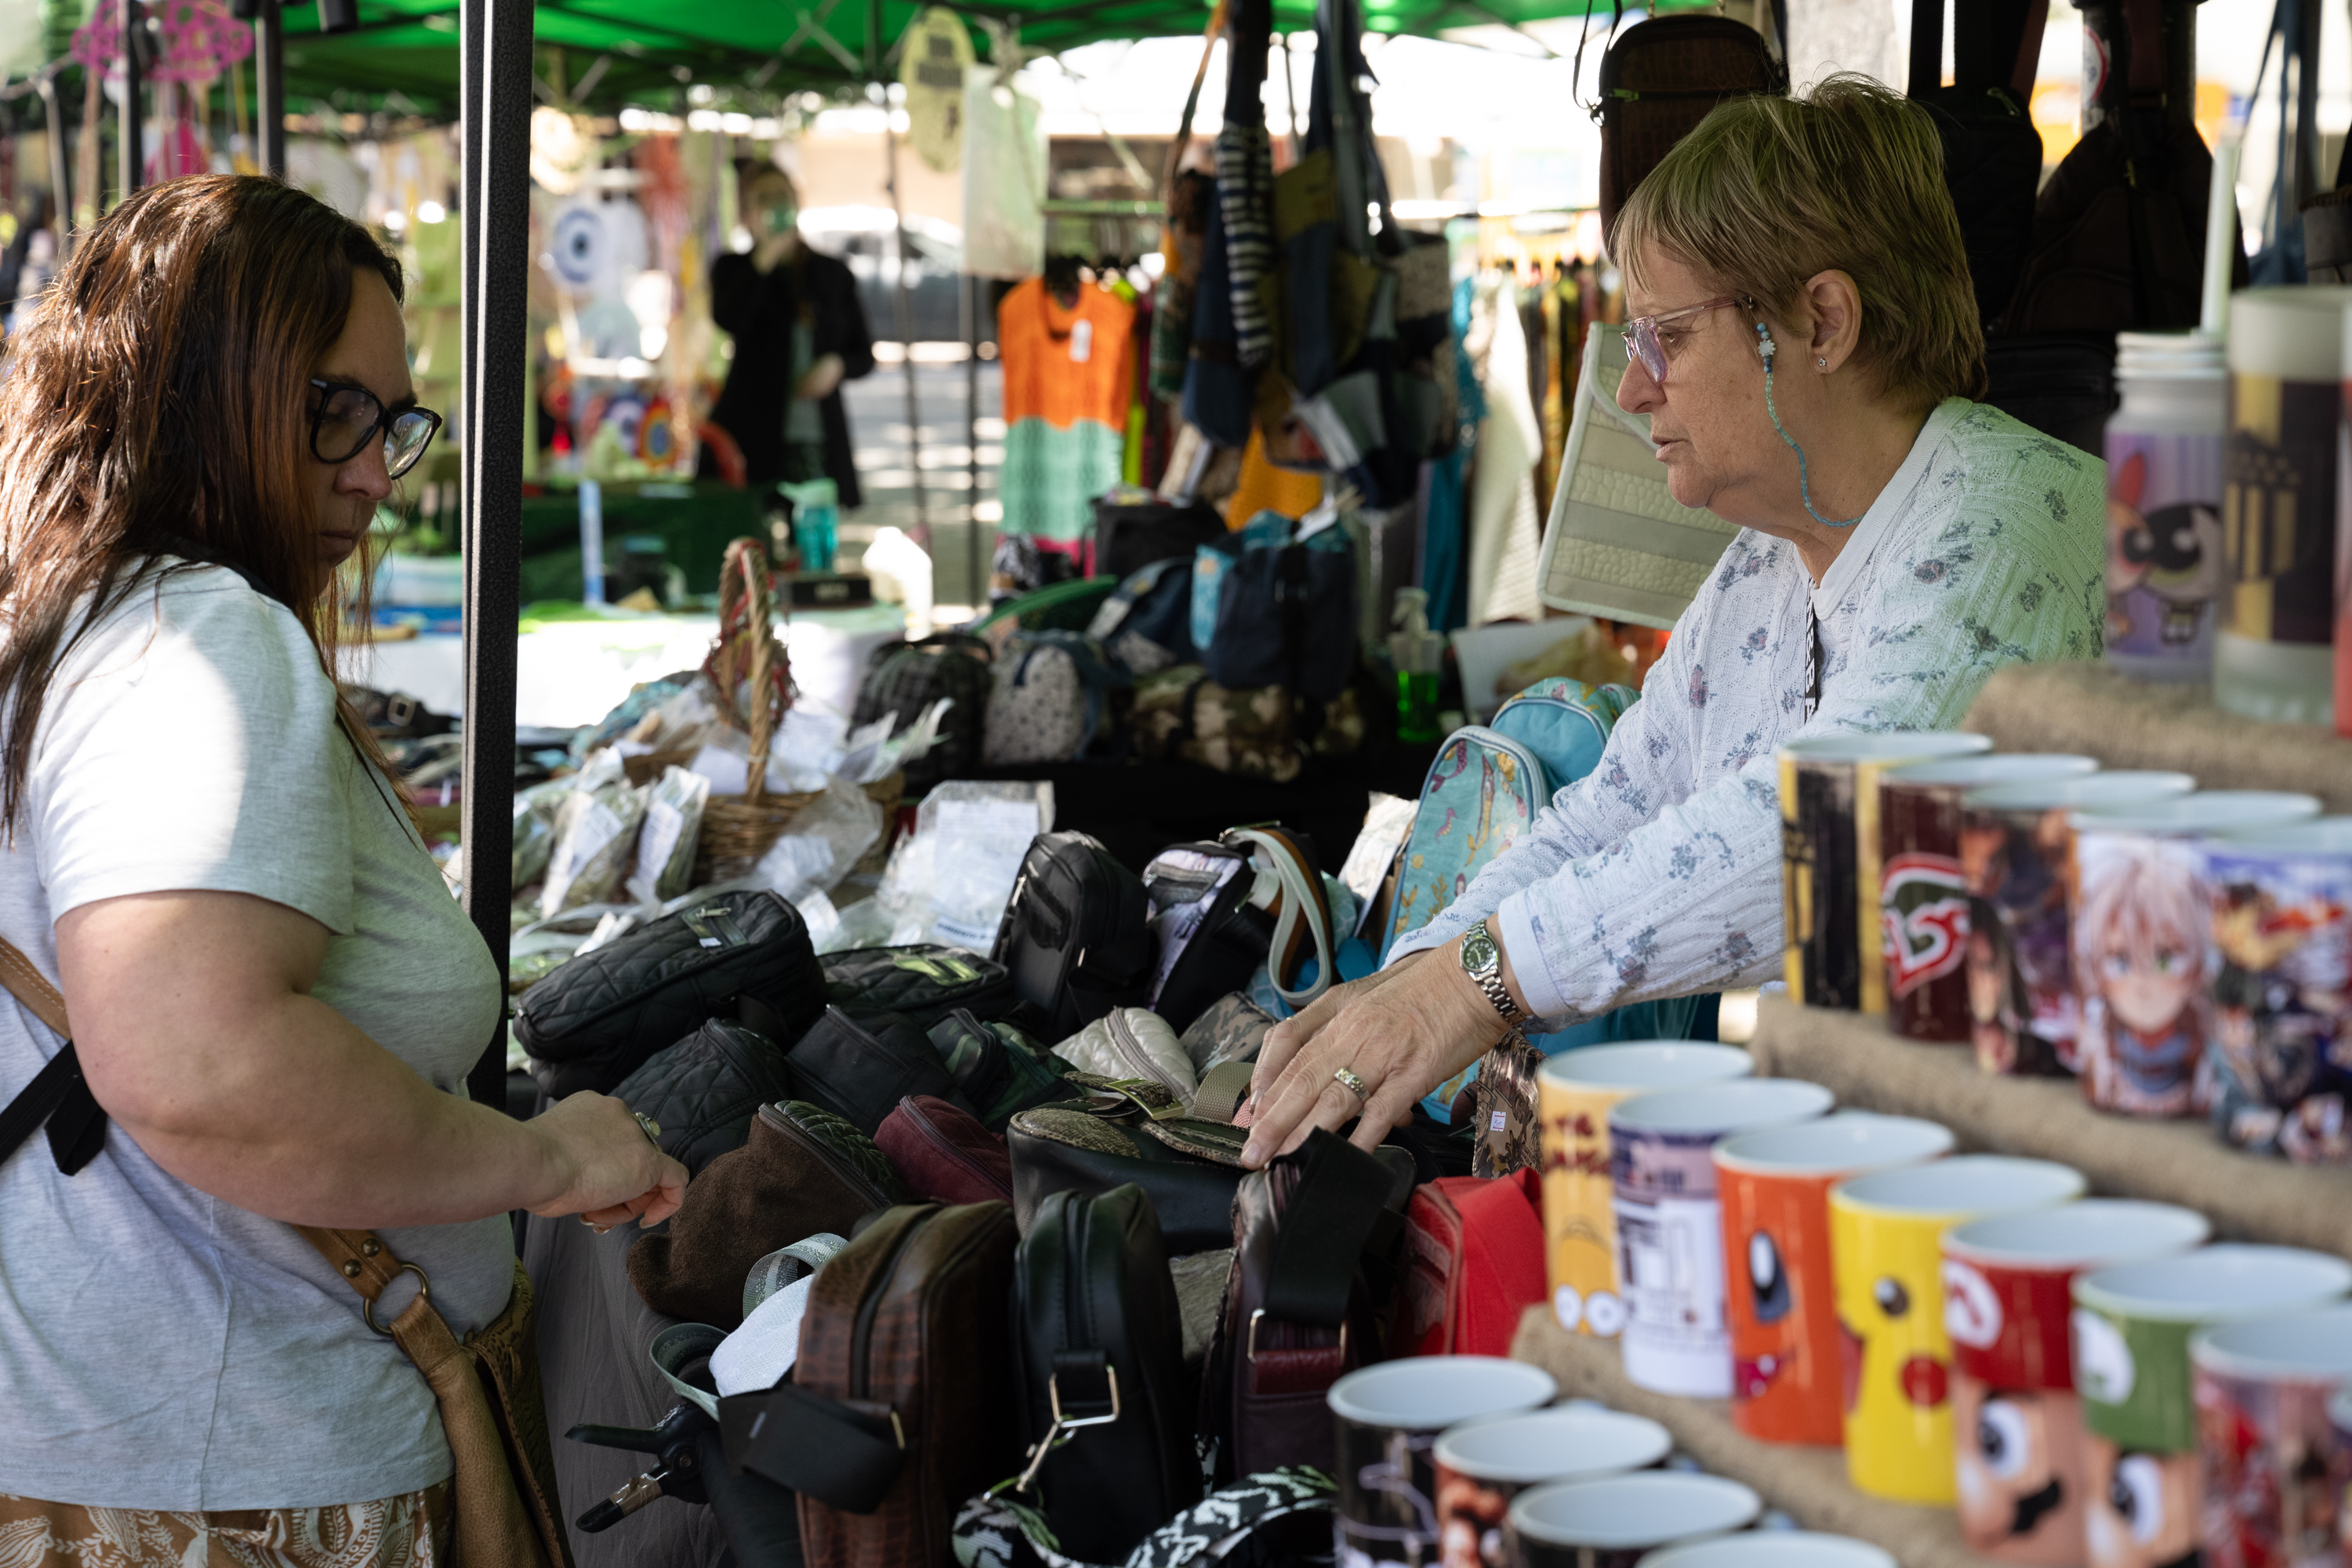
[(944, 1154), (1316, 1238)]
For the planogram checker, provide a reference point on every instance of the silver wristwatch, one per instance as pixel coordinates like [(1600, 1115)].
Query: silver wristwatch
[(1482, 961)]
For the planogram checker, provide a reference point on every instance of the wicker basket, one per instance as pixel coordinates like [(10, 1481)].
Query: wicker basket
[(736, 829), (644, 770)]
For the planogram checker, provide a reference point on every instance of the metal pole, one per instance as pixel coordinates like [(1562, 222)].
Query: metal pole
[(970, 300), (132, 143), (269, 89), (495, 83), (906, 313), (60, 185)]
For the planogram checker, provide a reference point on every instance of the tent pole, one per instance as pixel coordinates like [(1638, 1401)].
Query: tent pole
[(269, 89), (495, 83), (131, 141), (971, 551)]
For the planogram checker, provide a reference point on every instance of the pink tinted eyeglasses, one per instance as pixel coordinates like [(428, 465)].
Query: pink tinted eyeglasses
[(1641, 334)]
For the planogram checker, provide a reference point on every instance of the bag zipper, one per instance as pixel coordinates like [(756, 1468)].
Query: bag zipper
[(939, 1141), (850, 1176), (1131, 1052)]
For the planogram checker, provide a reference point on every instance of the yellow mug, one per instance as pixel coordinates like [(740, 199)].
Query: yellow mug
[(1575, 1090), (1886, 1233)]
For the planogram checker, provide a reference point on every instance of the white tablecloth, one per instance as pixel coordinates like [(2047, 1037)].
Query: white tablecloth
[(569, 673)]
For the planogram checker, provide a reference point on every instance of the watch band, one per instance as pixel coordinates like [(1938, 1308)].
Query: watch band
[(1488, 976)]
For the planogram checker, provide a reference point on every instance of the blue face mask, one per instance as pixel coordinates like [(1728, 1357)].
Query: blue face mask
[(1805, 489)]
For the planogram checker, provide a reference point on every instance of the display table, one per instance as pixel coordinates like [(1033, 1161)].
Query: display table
[(2087, 707), (2247, 1198), (1808, 1483), (573, 672)]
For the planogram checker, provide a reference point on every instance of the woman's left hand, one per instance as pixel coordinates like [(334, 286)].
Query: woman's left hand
[(1424, 1022)]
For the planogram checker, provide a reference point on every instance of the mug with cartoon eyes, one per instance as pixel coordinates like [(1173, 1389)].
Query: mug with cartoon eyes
[(1885, 1245), (2020, 1466), (2139, 914), (1780, 1293), (2131, 1328)]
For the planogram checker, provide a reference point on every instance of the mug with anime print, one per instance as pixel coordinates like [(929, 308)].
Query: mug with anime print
[(2280, 1054), (1616, 1523), (1385, 1423), (1923, 895), (2139, 917), (2015, 850), (2130, 1332), (2020, 1466), (2274, 1470)]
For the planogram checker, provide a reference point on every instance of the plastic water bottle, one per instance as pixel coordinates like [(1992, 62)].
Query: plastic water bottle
[(2273, 658), (2165, 562), (1418, 655)]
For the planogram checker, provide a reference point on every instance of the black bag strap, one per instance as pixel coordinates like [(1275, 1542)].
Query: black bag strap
[(842, 1457), (58, 1095), (1331, 1218)]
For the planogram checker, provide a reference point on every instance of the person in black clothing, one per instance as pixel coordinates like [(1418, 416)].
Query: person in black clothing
[(799, 334)]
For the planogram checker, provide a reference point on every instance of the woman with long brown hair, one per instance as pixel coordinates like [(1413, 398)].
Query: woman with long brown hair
[(274, 997)]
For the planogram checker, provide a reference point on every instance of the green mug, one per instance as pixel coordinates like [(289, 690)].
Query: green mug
[(2132, 1324)]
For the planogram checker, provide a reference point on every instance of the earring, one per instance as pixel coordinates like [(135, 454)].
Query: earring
[(1823, 363)]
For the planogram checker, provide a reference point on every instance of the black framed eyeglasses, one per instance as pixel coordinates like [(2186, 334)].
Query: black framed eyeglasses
[(348, 416)]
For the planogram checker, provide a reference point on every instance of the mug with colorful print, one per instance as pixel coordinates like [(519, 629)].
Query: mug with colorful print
[(1887, 1246), (1829, 859), (1483, 1465), (2015, 850), (1614, 1523), (1923, 895), (2281, 1046), (1781, 1293), (2131, 1328), (2139, 917), (2017, 1422), (1574, 1092), (2274, 1469)]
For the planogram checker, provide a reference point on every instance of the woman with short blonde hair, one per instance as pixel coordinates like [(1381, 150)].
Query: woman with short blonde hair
[(1804, 346)]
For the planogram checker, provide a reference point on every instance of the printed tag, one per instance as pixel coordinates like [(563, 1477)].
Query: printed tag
[(1082, 342)]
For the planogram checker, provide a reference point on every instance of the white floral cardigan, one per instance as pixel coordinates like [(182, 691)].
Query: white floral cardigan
[(1658, 874)]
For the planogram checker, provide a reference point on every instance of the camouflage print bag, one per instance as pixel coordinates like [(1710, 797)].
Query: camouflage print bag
[(1180, 713), (1504, 1094)]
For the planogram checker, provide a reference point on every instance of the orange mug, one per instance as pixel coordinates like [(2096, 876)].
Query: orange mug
[(1781, 1295)]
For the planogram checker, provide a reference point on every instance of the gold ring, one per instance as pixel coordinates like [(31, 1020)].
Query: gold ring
[(652, 1127), (1354, 1084)]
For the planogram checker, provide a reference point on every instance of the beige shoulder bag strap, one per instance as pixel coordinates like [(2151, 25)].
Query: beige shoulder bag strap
[(502, 1487)]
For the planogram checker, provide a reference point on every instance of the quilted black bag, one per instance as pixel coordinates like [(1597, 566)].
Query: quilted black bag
[(1075, 934), (704, 1089), (861, 1068), (1099, 1355), (594, 1021), (924, 982), (905, 678)]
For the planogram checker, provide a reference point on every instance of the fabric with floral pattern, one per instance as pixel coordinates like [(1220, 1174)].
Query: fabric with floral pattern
[(1658, 874)]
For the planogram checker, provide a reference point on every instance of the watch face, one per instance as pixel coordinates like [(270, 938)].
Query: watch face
[(1477, 951)]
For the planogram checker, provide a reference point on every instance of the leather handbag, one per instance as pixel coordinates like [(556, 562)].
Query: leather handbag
[(1074, 933), (744, 955), (860, 1070), (1315, 1237), (503, 1498), (899, 1405), (923, 982), (943, 1155), (1137, 1134), (1098, 1352), (1474, 1261), (803, 1171), (704, 1090)]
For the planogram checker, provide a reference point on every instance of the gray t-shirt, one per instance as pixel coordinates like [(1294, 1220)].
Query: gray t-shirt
[(161, 1348)]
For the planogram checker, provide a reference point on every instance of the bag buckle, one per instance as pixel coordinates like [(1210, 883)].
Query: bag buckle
[(423, 1293), (1261, 1312), (1064, 1427)]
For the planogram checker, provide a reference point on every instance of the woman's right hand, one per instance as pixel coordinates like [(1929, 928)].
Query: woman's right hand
[(612, 1172)]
